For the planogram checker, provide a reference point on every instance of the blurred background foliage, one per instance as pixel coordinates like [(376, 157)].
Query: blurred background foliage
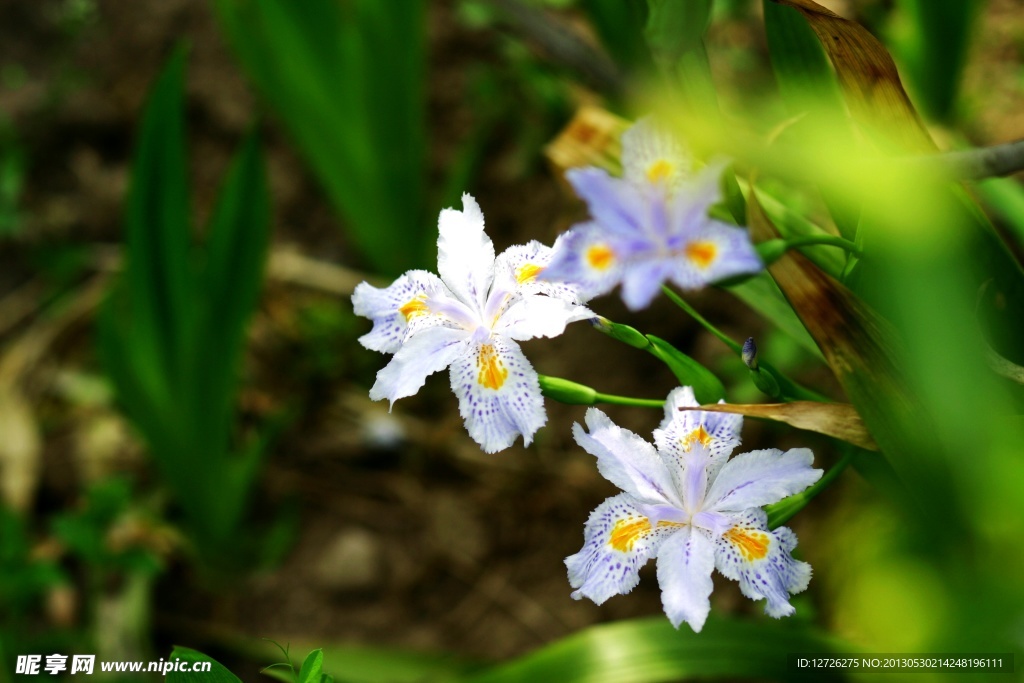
[(187, 452)]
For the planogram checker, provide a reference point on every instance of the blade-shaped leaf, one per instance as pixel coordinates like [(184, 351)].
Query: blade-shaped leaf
[(190, 658), (868, 77), (157, 230), (866, 356), (651, 651), (838, 420), (706, 386)]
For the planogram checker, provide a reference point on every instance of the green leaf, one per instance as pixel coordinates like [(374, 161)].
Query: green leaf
[(675, 34), (158, 271), (763, 295), (347, 80), (311, 668), (1005, 196), (706, 386), (236, 250), (651, 651), (934, 43), (217, 673), (802, 70), (361, 664)]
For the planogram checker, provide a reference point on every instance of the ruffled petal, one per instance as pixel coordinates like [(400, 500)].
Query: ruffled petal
[(535, 316), (626, 460), (587, 259), (392, 308), (758, 478), (465, 254), (761, 561), (516, 270), (499, 394), (423, 354), (685, 562), (681, 429), (653, 156), (617, 541)]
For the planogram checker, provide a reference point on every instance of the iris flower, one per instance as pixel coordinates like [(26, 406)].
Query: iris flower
[(688, 504), (469, 319), (651, 225)]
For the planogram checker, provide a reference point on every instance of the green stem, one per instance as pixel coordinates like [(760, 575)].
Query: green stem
[(679, 301), (576, 394), (783, 511), (791, 391), (629, 401)]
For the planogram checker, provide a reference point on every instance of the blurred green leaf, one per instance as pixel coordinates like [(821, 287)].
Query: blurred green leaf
[(347, 80), (312, 667), (933, 43), (217, 673), (172, 331), (621, 27), (1005, 196), (651, 651), (675, 35)]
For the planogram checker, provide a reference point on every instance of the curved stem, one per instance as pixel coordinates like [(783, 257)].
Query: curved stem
[(791, 391), (781, 512), (681, 303)]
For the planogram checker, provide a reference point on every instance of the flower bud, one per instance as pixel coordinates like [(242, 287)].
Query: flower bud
[(749, 353), (619, 332), (564, 391)]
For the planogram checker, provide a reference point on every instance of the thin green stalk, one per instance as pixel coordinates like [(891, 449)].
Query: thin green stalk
[(629, 401), (679, 301), (576, 394), (784, 510), (791, 391)]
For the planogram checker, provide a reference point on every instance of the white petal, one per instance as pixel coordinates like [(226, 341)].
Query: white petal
[(652, 155), (517, 269), (587, 258), (626, 460), (685, 563), (681, 429), (535, 316), (465, 254), (422, 355), (758, 478), (761, 562), (617, 541), (499, 394), (391, 309)]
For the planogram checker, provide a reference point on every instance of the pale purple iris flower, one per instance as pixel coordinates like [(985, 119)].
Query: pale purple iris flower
[(651, 225), (470, 319), (688, 504)]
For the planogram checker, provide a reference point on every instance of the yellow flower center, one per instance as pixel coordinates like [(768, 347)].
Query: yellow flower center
[(527, 273), (414, 307), (492, 372), (600, 257), (701, 254), (660, 171), (752, 544), (698, 435)]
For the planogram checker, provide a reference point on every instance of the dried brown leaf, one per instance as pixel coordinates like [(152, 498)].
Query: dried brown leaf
[(868, 76), (590, 139), (838, 420)]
